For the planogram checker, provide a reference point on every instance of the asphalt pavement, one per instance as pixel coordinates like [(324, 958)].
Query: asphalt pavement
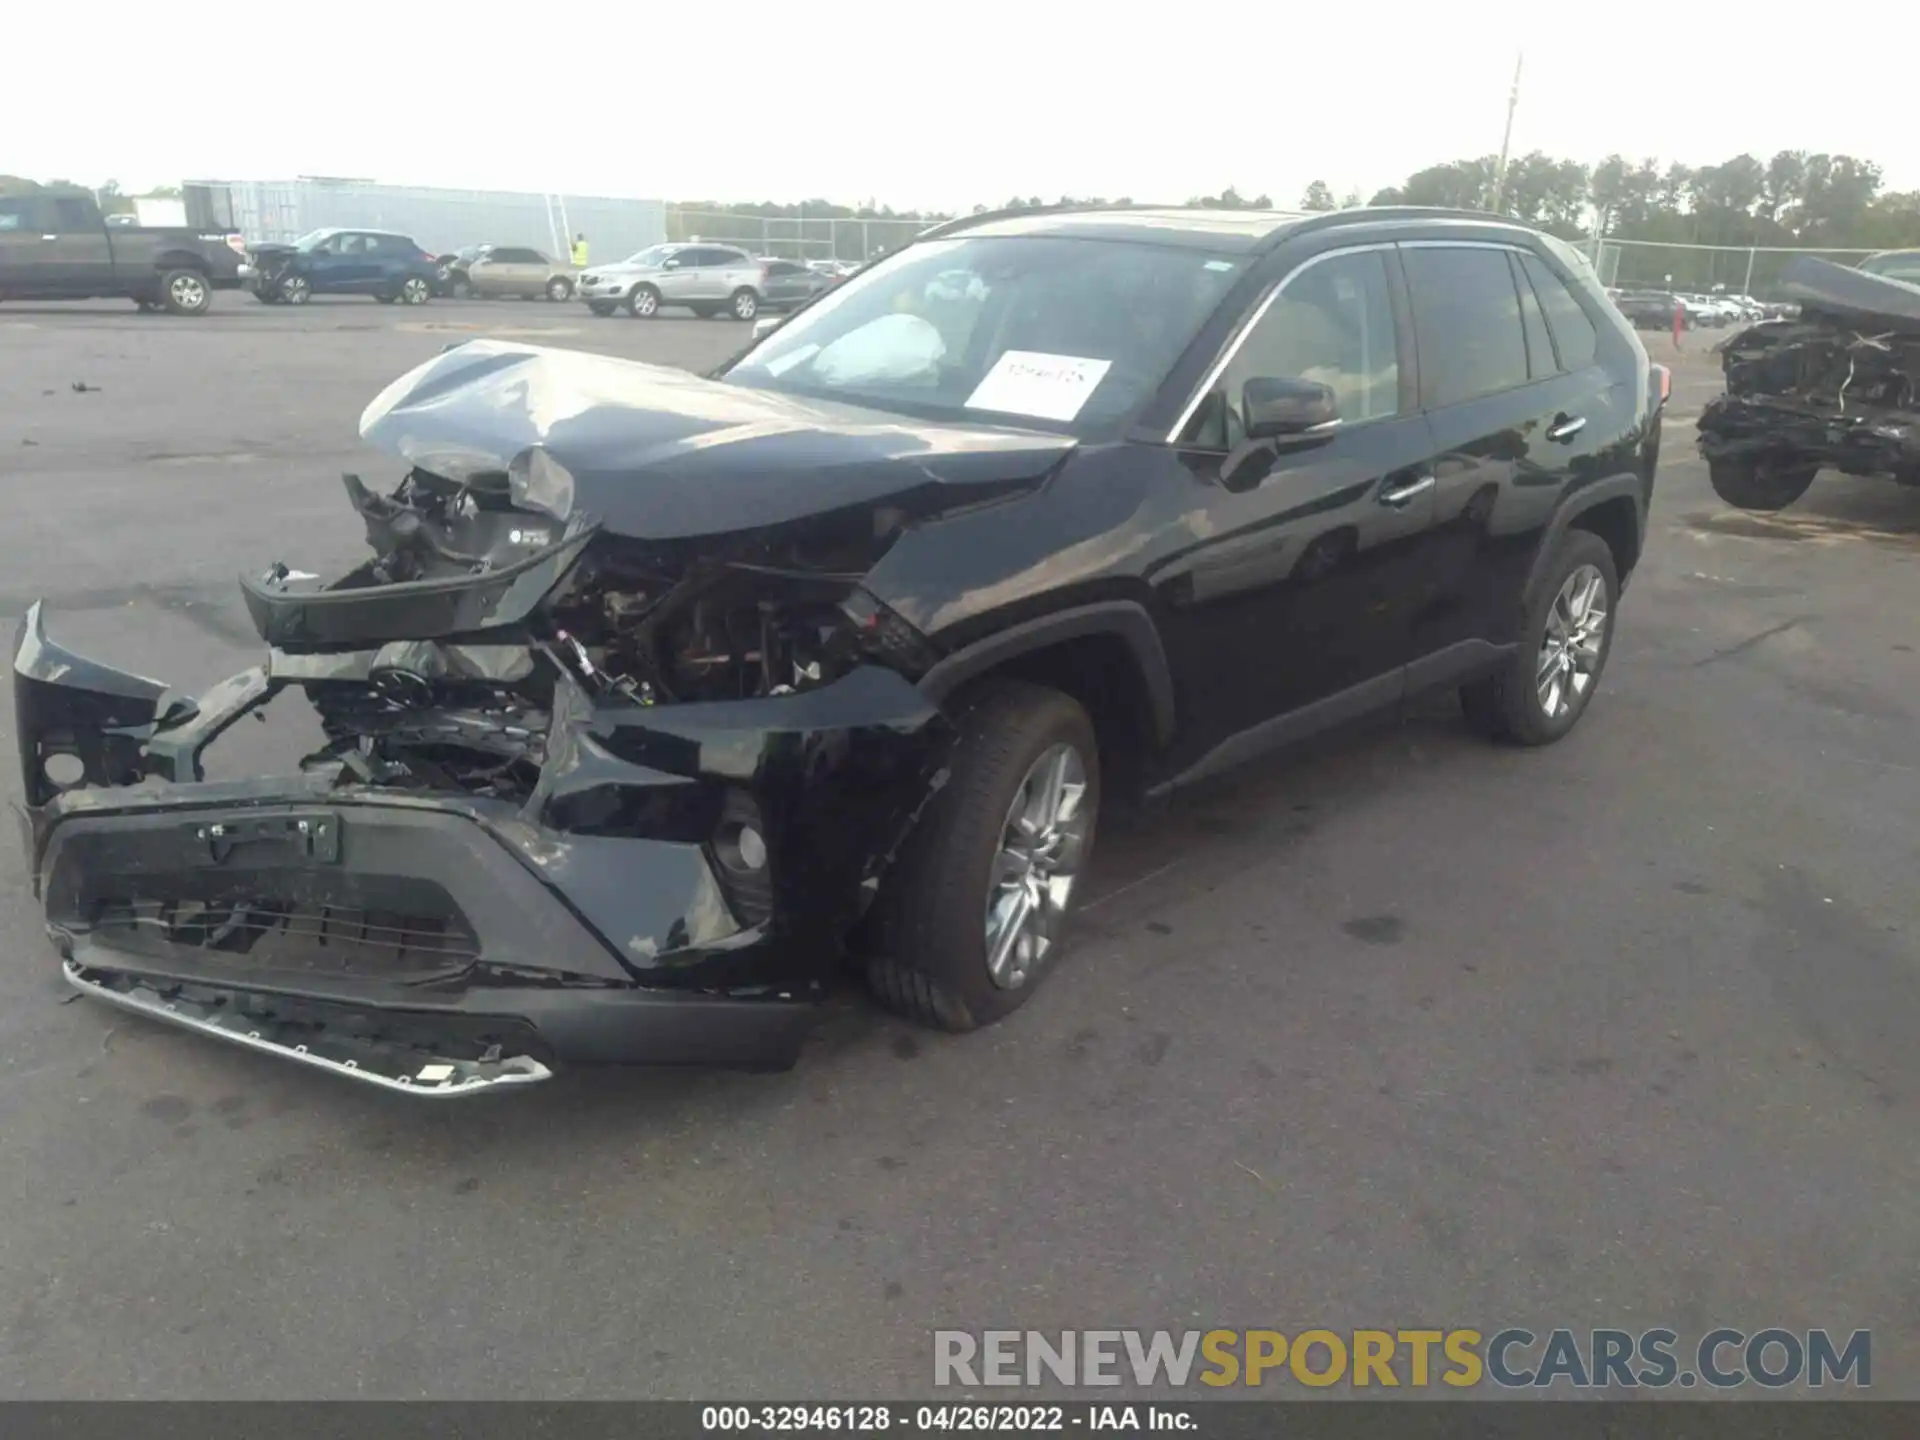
[(1405, 1031)]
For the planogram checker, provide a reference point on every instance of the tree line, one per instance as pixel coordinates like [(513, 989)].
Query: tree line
[(1795, 198)]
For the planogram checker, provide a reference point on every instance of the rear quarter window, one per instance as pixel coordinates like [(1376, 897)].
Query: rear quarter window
[(1573, 334)]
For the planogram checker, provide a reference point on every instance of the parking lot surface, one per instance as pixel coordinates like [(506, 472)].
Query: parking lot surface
[(1404, 1031)]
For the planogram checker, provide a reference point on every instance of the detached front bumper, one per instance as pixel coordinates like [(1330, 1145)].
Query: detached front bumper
[(441, 943)]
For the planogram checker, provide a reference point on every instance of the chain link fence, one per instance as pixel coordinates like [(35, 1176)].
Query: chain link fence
[(1752, 270), (794, 237)]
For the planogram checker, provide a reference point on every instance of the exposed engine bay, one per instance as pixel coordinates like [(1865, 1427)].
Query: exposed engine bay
[(756, 615), (1839, 386)]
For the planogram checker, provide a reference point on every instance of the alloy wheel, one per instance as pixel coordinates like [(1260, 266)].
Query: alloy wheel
[(414, 292), (187, 292), (1041, 848), (1575, 635), (645, 302)]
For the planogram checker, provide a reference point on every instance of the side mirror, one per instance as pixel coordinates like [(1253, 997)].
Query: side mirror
[(1281, 415), (1285, 409), (765, 326)]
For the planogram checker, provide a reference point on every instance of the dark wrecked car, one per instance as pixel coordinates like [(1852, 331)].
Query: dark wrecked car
[(1837, 386), (659, 695)]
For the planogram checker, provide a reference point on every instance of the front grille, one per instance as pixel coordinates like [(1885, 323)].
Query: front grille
[(267, 933)]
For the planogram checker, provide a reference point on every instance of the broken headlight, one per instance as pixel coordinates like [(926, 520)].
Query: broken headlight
[(885, 636)]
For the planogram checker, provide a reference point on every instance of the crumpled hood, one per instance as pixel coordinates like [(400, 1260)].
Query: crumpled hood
[(660, 454)]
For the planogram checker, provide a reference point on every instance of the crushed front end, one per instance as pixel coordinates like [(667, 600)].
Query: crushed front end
[(581, 798), (1839, 386)]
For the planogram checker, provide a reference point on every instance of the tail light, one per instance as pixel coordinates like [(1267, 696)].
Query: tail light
[(1662, 379), (237, 244)]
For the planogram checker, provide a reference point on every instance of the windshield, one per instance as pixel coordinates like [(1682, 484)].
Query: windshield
[(652, 255), (1068, 332)]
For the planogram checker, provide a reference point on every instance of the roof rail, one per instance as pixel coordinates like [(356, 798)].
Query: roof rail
[(1301, 220), (961, 222)]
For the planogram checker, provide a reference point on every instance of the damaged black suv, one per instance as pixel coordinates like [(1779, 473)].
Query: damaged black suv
[(661, 696), (1837, 386)]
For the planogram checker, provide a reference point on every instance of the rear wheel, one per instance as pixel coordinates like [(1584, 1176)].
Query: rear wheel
[(185, 292), (745, 303), (971, 919), (1759, 482), (558, 288), (414, 290), (1540, 692), (644, 303)]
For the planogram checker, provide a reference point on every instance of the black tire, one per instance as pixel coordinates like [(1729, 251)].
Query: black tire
[(926, 942), (1759, 482), (559, 288), (600, 308), (744, 304), (644, 303), (459, 287), (1507, 705), (185, 292)]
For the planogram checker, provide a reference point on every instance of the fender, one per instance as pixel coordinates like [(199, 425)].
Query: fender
[(1127, 619), (1577, 503), (181, 260)]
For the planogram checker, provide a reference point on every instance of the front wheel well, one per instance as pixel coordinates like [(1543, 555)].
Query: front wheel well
[(1103, 674), (1617, 522)]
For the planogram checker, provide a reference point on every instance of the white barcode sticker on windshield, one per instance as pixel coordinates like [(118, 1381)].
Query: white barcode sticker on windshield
[(1047, 387)]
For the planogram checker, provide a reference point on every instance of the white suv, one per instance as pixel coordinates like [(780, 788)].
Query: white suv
[(706, 279)]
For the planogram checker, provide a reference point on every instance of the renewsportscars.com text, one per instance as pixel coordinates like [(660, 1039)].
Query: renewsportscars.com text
[(1511, 1358)]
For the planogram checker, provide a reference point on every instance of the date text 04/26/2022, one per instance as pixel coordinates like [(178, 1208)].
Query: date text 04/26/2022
[(943, 1418)]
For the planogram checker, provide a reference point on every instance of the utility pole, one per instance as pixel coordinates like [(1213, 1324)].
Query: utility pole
[(1506, 140)]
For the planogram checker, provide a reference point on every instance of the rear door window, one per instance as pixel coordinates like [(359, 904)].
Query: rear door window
[(1573, 334), (1466, 320), (73, 216)]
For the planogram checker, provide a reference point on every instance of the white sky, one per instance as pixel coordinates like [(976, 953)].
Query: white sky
[(942, 105)]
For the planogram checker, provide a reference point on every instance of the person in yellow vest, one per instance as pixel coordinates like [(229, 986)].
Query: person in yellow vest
[(580, 252)]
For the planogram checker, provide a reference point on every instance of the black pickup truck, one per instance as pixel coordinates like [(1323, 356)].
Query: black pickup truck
[(55, 245)]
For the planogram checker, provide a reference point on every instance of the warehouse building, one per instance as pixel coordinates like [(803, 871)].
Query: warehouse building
[(277, 211)]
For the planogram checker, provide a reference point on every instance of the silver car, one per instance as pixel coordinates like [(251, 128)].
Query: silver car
[(706, 279), (511, 270)]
